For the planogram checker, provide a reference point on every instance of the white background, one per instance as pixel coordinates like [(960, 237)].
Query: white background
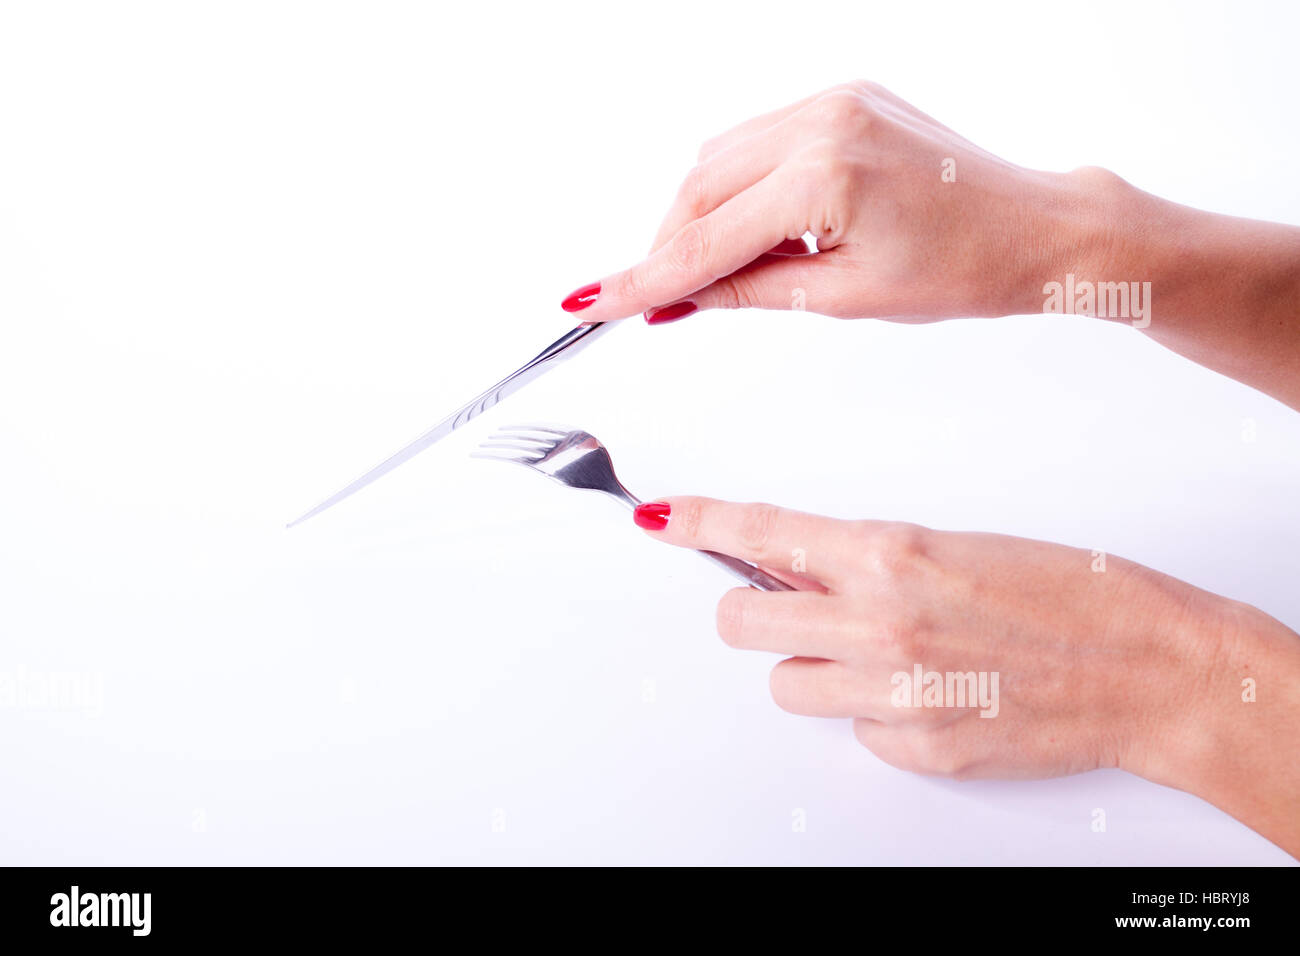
[(248, 249)]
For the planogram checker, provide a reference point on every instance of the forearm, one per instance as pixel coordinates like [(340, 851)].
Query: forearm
[(1236, 743), (1225, 292)]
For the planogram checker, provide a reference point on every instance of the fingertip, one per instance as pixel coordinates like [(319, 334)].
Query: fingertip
[(674, 518), (581, 298), (652, 515)]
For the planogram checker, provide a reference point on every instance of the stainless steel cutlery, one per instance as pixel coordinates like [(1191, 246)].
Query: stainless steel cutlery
[(567, 345), (578, 459), (571, 457)]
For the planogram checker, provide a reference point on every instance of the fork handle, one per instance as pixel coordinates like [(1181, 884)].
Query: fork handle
[(752, 575)]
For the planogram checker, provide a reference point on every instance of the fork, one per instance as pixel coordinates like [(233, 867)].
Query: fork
[(578, 459)]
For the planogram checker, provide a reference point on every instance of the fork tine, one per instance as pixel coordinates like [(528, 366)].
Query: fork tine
[(549, 440), (550, 428), (512, 436), (511, 446)]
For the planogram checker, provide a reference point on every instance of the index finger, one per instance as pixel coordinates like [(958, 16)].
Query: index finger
[(778, 538), (702, 251)]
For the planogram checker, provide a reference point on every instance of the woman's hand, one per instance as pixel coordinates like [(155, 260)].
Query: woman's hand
[(912, 221), (1051, 660), (915, 223)]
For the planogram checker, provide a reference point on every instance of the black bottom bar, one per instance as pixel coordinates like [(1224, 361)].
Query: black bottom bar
[(333, 906)]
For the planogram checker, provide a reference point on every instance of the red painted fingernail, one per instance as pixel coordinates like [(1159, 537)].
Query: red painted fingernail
[(653, 515), (579, 299), (670, 313)]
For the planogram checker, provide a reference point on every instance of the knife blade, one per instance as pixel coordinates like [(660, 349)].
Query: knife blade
[(566, 346)]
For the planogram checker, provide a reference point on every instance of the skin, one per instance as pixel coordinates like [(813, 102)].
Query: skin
[(1124, 667), (860, 170)]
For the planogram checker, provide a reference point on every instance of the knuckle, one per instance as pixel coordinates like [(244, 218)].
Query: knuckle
[(689, 518), (756, 526), (781, 684), (896, 550), (825, 176), (827, 162), (729, 293), (933, 752), (731, 618), (866, 87), (843, 109), (632, 285), (873, 735), (693, 195), (689, 248), (740, 290)]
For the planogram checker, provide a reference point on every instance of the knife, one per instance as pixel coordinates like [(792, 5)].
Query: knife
[(566, 346)]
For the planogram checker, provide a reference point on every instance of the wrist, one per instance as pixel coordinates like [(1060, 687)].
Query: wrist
[(1225, 729), (1182, 729), (1081, 233), (1217, 289), (1180, 636)]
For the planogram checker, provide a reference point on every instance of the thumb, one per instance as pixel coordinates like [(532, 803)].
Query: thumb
[(794, 283)]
